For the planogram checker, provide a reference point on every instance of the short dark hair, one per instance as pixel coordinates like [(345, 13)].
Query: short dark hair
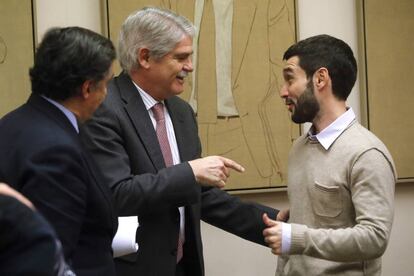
[(329, 52), (66, 58)]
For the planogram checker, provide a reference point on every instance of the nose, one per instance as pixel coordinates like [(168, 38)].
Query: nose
[(188, 65), (284, 91)]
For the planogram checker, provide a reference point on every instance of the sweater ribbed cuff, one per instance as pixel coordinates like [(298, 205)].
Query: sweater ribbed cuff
[(297, 245)]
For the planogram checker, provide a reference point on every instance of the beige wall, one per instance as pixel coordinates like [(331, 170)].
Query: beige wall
[(226, 254), (61, 13)]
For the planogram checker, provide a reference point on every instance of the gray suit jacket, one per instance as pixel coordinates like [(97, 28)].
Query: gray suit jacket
[(123, 141)]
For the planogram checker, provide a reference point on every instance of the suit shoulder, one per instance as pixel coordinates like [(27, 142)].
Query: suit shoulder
[(178, 100), (113, 95), (121, 90), (180, 103), (29, 129)]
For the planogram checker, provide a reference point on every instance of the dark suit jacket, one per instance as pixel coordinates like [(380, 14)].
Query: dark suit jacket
[(23, 252), (123, 141), (42, 157)]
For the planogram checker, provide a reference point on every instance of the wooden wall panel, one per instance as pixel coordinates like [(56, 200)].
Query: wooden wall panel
[(389, 30), (16, 52)]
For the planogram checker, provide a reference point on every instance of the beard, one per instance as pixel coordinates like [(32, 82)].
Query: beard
[(306, 107)]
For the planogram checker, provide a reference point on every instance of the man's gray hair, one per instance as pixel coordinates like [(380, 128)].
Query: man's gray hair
[(158, 30)]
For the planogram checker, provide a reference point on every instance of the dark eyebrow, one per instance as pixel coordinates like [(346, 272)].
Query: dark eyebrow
[(288, 71)]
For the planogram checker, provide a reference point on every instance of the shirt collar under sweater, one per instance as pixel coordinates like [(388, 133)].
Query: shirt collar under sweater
[(329, 134)]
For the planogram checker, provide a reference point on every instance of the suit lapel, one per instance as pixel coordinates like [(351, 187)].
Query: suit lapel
[(138, 114), (178, 121)]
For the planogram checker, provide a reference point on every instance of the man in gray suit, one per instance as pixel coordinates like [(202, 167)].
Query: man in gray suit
[(166, 184)]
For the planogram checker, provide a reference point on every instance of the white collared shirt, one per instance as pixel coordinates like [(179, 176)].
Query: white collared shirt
[(149, 102), (329, 134)]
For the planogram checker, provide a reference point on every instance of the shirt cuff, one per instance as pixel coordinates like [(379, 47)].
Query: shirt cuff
[(286, 237)]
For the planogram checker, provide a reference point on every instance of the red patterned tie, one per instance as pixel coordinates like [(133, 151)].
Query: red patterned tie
[(162, 136), (161, 130)]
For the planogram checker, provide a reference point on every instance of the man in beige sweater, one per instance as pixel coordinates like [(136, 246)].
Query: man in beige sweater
[(341, 177)]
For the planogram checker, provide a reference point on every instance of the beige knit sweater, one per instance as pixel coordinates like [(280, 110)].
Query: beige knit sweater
[(341, 205)]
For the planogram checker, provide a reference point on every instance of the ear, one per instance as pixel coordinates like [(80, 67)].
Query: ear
[(321, 78), (143, 57), (86, 89)]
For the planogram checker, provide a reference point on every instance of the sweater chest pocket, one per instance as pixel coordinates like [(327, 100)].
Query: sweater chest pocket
[(326, 200)]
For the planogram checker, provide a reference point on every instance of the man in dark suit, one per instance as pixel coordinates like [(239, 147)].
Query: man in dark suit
[(36, 252), (167, 187), (43, 157)]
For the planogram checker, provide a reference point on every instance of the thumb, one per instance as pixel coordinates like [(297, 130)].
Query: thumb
[(269, 222)]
